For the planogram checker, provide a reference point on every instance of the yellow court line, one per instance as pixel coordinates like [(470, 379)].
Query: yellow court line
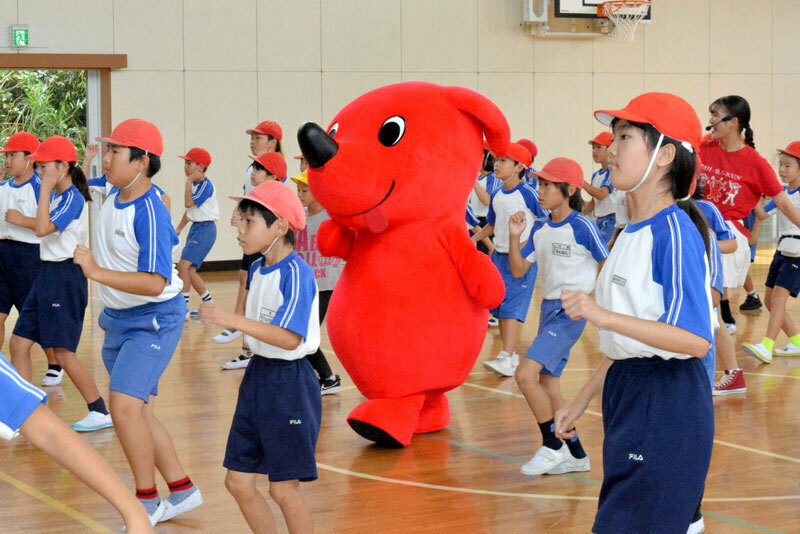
[(543, 496), (53, 503), (717, 441)]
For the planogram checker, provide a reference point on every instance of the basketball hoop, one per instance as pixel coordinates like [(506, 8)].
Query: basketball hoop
[(624, 15)]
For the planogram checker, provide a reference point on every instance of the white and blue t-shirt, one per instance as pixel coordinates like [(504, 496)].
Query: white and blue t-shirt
[(284, 294), (472, 220), (506, 203), (68, 211), (491, 184), (657, 271), (23, 198), (788, 246), (136, 236), (204, 196), (607, 206), (532, 179), (567, 253), (102, 186), (720, 231)]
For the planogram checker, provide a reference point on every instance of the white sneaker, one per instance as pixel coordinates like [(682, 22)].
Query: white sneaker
[(52, 377), (240, 362), (490, 364), (758, 351), (93, 421), (697, 527), (789, 350), (227, 335), (493, 322), (504, 364), (157, 515), (189, 503), (545, 459), (571, 465), (731, 327)]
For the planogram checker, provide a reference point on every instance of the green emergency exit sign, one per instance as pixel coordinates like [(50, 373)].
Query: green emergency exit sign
[(20, 37)]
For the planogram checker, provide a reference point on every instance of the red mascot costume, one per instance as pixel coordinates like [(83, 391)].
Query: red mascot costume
[(408, 316)]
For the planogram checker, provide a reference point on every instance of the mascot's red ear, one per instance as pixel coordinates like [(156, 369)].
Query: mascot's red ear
[(495, 125)]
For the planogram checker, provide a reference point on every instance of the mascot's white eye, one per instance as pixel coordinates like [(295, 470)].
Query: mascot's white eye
[(333, 130), (392, 130)]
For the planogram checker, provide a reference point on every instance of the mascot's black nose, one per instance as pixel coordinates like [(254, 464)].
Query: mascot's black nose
[(316, 145)]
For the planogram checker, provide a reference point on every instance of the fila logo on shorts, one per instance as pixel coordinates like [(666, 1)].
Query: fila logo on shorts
[(295, 422), (635, 457)]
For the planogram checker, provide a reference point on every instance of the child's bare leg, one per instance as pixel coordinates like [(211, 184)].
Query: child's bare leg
[(51, 356), (241, 297), (21, 356), (242, 486), (197, 282), (47, 432), (135, 437), (166, 458), (777, 313), (184, 267), (509, 331), (527, 377), (726, 352), (788, 325), (78, 373), (294, 509), (552, 385)]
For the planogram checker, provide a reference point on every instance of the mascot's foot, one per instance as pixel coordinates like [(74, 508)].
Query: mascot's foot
[(435, 414), (388, 422)]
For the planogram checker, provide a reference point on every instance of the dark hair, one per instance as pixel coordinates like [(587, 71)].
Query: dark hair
[(739, 108), (679, 176), (488, 161), (795, 158), (700, 191), (278, 146), (249, 206), (576, 200), (79, 180), (259, 167), (522, 173), (155, 161)]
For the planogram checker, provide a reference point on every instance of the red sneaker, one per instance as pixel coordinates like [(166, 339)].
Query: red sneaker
[(731, 382)]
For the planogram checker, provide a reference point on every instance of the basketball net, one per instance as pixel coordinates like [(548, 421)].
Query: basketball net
[(625, 15)]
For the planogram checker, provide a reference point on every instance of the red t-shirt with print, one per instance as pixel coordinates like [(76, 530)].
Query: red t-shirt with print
[(736, 180)]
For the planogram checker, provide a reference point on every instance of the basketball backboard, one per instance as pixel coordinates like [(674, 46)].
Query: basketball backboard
[(581, 9)]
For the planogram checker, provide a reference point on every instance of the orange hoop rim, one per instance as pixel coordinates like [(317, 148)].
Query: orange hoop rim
[(601, 8)]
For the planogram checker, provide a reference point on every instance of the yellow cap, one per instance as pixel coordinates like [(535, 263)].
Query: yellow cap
[(301, 178)]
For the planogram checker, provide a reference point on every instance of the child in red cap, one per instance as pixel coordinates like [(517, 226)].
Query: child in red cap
[(568, 248), (655, 321), (143, 318), (515, 195), (202, 209), (100, 184), (276, 424), (600, 188), (269, 166), (19, 244), (265, 137), (783, 278)]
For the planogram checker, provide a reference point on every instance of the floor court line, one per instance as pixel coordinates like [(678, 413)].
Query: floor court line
[(53, 503)]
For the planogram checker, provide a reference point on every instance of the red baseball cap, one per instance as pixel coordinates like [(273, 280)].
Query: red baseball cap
[(21, 142), (530, 146), (273, 162), (137, 133), (198, 155), (280, 200), (520, 154), (793, 149), (562, 170), (603, 138), (56, 148), (271, 128), (670, 114)]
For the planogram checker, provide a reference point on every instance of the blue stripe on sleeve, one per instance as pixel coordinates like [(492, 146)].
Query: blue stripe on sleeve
[(69, 208), (588, 234), (299, 290)]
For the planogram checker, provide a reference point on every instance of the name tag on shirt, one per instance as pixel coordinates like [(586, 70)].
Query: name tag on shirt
[(562, 249)]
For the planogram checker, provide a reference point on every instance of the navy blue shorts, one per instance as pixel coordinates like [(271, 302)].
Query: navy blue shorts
[(139, 344), (784, 271), (247, 261), (18, 399), (518, 290), (19, 267), (658, 418), (201, 238), (607, 224), (557, 334), (276, 424), (52, 315)]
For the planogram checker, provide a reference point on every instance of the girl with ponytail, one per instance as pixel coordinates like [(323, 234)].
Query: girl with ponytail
[(654, 313), (52, 315), (737, 177)]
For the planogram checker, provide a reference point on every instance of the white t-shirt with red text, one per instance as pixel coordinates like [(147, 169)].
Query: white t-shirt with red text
[(326, 270)]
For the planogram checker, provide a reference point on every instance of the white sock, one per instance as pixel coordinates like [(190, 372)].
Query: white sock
[(751, 293), (206, 297), (186, 297)]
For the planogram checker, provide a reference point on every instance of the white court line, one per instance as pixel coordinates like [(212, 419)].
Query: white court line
[(717, 441)]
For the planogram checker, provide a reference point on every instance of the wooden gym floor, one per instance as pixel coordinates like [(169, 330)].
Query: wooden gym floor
[(463, 479)]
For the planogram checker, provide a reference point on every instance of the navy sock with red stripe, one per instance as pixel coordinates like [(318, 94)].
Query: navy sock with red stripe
[(149, 499), (180, 490)]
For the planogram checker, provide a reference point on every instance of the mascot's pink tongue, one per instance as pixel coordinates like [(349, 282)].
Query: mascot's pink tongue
[(376, 220)]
